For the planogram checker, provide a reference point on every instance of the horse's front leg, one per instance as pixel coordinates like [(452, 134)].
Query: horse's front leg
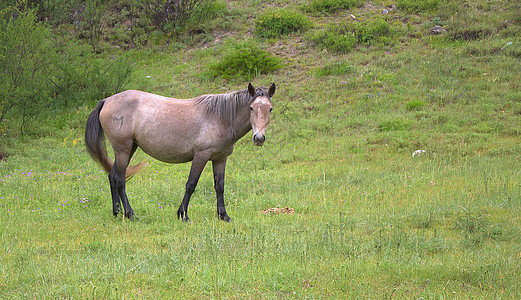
[(195, 172), (218, 175)]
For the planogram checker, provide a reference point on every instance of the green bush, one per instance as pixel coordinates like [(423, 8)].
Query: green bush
[(24, 60), (40, 71), (278, 22), (245, 60), (330, 6)]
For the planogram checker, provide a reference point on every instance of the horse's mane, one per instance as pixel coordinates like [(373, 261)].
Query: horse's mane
[(224, 105)]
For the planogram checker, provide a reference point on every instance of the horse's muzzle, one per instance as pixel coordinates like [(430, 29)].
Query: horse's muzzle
[(258, 139)]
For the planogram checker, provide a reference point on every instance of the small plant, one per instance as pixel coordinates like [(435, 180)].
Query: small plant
[(330, 6), (415, 105), (245, 60), (279, 22)]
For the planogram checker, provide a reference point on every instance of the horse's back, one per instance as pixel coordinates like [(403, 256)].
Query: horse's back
[(167, 129)]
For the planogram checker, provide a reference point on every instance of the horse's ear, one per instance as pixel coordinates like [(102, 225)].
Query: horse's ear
[(271, 90), (251, 90)]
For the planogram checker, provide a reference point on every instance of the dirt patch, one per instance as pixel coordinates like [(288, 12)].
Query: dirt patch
[(3, 156), (278, 211)]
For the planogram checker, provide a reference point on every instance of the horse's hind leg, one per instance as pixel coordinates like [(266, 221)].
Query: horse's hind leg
[(117, 181), (114, 183)]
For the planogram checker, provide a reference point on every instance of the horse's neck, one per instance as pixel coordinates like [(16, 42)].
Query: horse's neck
[(241, 125)]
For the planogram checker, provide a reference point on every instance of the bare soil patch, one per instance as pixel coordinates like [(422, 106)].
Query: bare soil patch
[(279, 211)]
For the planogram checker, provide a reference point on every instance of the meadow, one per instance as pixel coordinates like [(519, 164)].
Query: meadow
[(360, 88)]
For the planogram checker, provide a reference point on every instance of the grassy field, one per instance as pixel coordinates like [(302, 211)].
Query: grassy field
[(370, 219)]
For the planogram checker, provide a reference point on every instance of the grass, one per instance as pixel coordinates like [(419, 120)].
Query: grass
[(370, 220)]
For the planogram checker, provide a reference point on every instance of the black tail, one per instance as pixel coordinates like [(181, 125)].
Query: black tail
[(95, 139), (95, 143)]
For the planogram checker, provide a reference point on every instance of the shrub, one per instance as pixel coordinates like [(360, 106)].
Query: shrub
[(330, 6), (24, 47), (245, 60), (278, 22), (40, 71), (168, 15)]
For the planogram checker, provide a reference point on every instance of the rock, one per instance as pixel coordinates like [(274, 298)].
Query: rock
[(438, 30)]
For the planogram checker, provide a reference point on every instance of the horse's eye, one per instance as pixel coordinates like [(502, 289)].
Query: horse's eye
[(251, 108), (271, 108)]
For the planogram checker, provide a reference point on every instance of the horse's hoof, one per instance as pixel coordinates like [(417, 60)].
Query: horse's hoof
[(225, 218), (183, 216)]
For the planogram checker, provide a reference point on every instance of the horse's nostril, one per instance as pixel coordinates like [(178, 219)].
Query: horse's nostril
[(259, 139)]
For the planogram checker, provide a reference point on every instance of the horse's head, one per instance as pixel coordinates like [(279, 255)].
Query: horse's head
[(260, 110)]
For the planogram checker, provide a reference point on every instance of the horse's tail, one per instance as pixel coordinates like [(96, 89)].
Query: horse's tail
[(95, 143)]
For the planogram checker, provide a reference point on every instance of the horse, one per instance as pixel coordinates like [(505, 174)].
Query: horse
[(201, 129)]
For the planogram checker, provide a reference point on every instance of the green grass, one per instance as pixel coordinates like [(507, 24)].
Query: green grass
[(370, 221), (280, 22)]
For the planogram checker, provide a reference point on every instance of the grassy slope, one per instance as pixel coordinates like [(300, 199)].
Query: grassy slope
[(370, 221)]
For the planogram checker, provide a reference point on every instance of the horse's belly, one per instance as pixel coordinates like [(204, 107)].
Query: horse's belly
[(168, 153)]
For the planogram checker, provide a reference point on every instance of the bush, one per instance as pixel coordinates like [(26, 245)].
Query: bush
[(275, 23), (168, 15), (24, 60), (40, 71), (245, 60), (330, 6)]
